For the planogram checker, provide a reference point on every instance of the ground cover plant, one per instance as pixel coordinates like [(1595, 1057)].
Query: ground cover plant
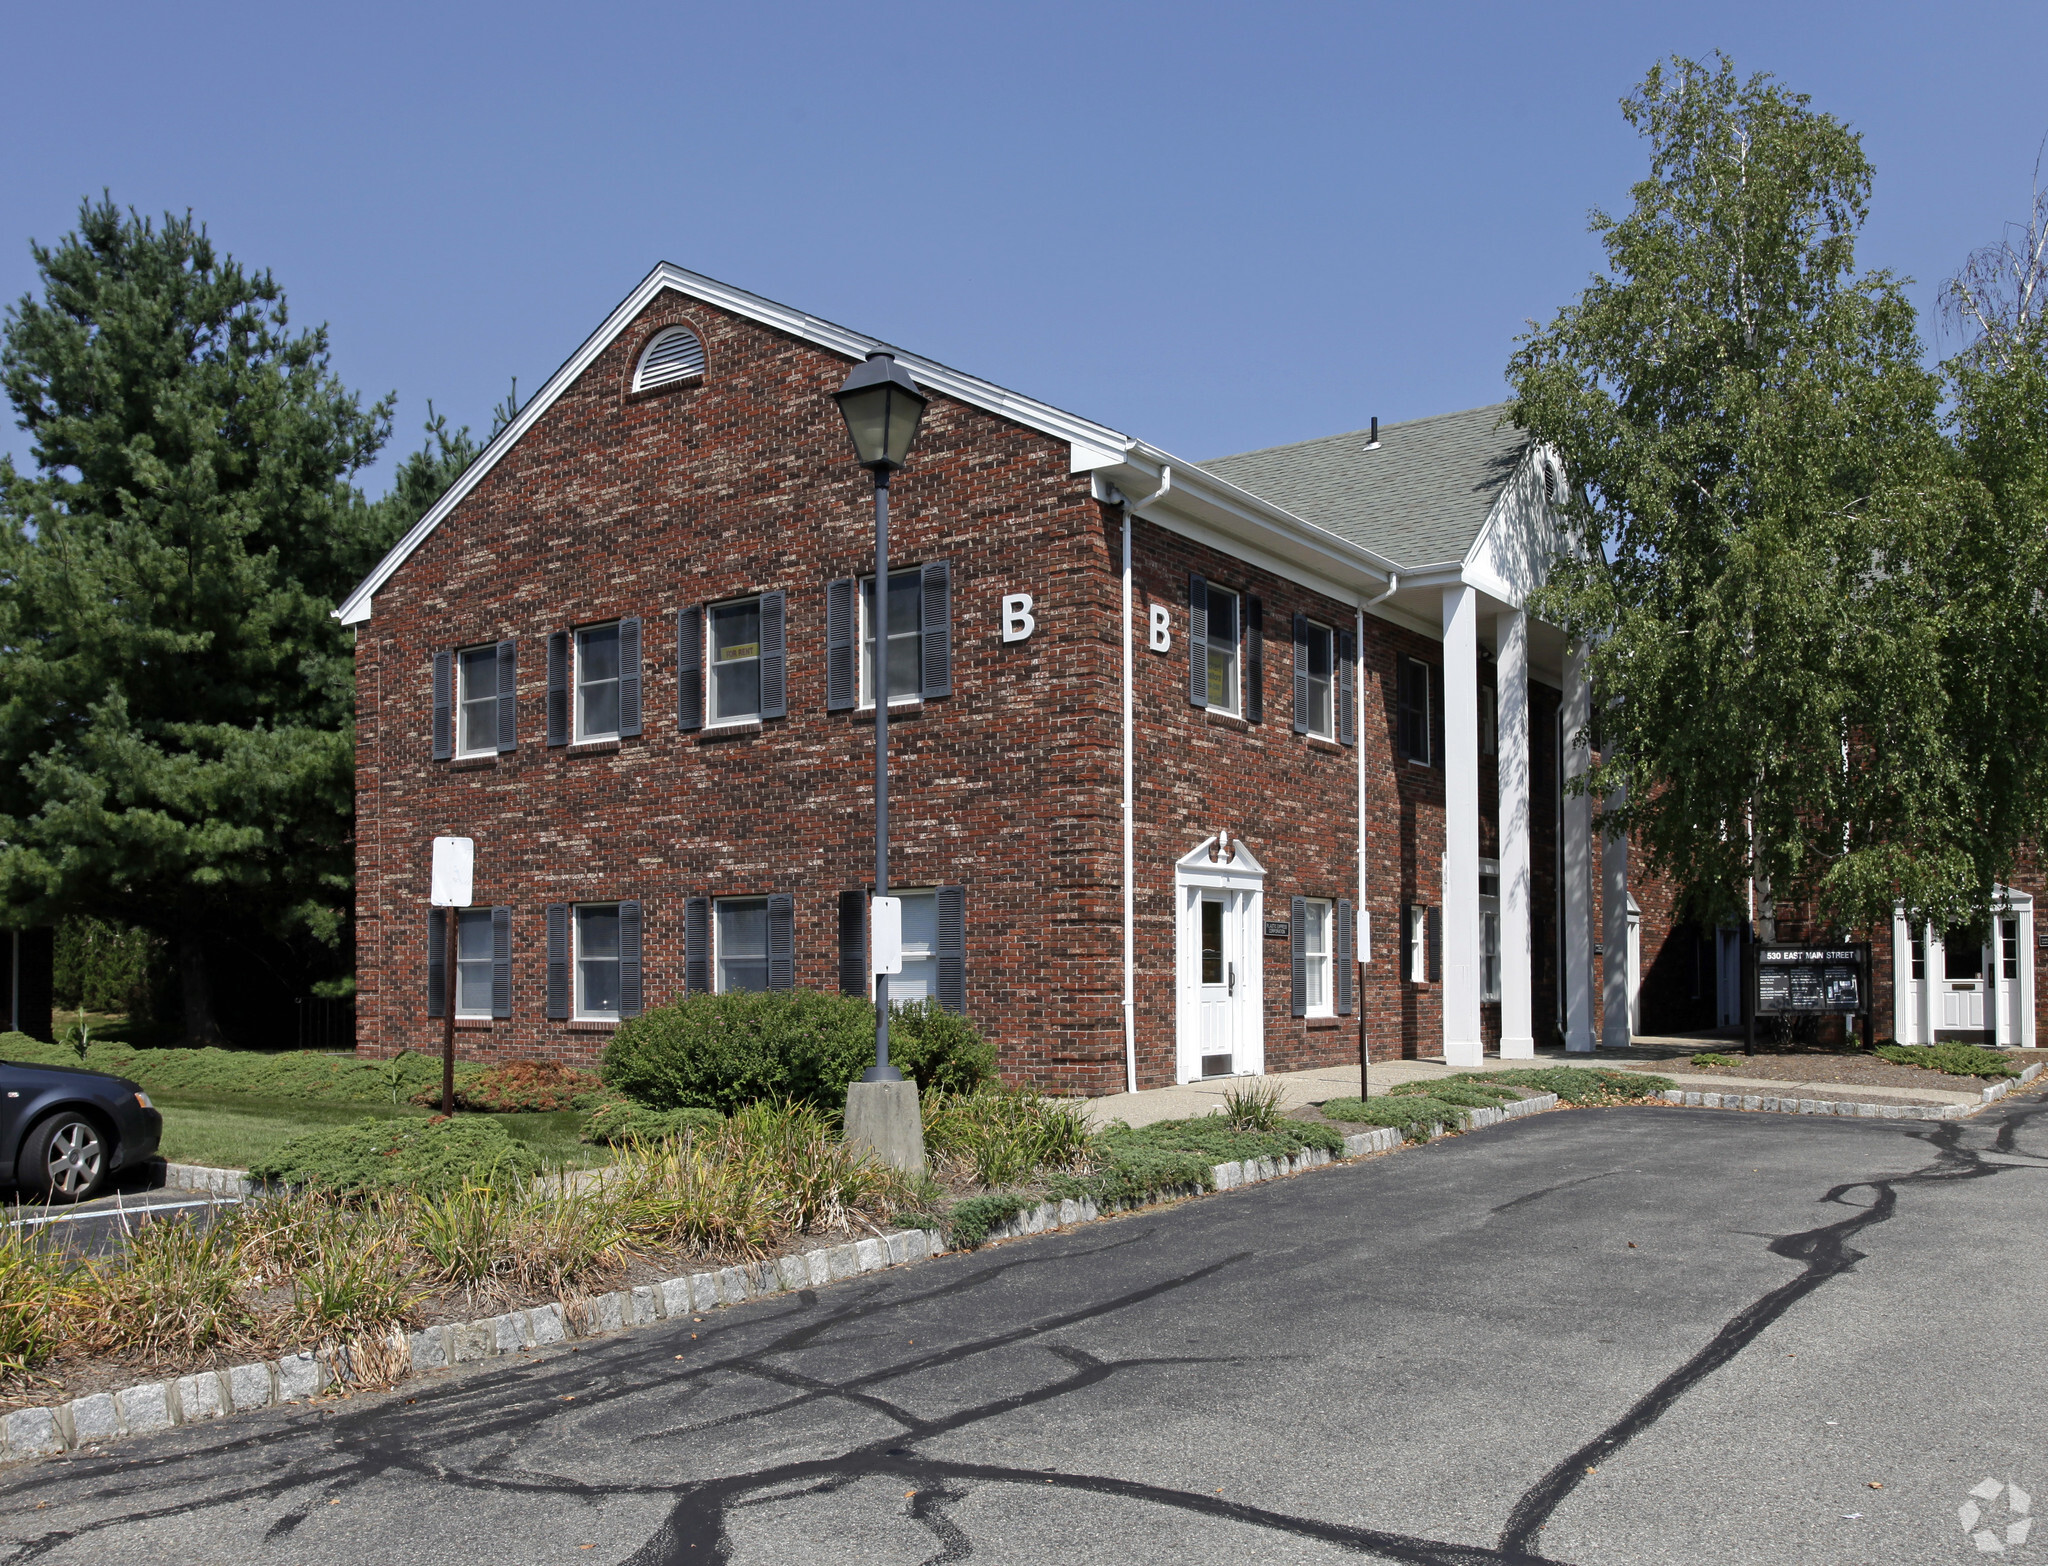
[(1414, 1108), (1713, 1058), (510, 1086), (283, 1075), (1950, 1058)]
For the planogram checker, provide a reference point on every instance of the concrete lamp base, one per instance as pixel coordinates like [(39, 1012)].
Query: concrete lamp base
[(884, 1118)]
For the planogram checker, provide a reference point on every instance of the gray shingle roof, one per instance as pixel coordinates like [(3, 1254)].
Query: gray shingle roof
[(1419, 500)]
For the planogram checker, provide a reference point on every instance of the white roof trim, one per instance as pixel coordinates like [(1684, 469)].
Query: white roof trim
[(972, 390)]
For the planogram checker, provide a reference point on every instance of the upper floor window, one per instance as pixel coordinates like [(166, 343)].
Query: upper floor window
[(1315, 651), (674, 355), (736, 661), (1417, 690), (597, 682), (1221, 649), (905, 635), (476, 697)]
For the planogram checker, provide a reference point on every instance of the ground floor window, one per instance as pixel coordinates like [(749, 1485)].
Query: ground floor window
[(742, 944), (1489, 930), (597, 961), (919, 979), (473, 962), (1315, 951), (1417, 937)]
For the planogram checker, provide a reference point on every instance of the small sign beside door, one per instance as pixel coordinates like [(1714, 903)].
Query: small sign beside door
[(1278, 929)]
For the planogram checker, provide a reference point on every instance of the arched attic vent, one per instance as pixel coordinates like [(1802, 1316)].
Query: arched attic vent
[(674, 355)]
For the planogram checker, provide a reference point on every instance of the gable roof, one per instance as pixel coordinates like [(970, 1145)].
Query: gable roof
[(1420, 499), (931, 375)]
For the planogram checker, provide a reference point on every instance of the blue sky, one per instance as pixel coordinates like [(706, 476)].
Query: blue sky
[(1217, 227)]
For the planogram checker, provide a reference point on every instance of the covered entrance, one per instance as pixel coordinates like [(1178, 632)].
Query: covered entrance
[(1220, 889), (1972, 985)]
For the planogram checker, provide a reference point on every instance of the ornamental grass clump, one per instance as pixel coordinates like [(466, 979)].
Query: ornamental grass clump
[(33, 1274), (996, 1136)]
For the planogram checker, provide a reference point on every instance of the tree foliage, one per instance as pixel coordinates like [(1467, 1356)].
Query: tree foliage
[(1764, 547)]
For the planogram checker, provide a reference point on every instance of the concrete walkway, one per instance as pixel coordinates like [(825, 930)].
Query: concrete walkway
[(1667, 1055)]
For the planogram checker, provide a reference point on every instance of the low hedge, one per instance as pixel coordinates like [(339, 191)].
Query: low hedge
[(723, 1051), (424, 1157), (284, 1074)]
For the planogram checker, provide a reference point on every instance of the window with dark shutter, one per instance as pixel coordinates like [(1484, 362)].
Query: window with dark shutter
[(1418, 698), (1297, 924), (1255, 660), (690, 668), (936, 621), (952, 948), (437, 962), (1436, 946), (1304, 698), (629, 676), (508, 696), (774, 661), (558, 696), (1347, 959), (1347, 687), (853, 941), (501, 962), (444, 705), (1198, 639), (558, 962), (842, 673), (697, 946), (781, 941), (1407, 943), (629, 959)]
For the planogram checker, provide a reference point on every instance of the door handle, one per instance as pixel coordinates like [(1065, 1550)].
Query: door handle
[(1233, 979)]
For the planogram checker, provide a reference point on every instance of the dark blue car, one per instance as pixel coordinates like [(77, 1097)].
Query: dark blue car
[(65, 1131)]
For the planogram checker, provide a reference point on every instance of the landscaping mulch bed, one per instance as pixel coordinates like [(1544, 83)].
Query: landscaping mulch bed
[(1848, 1067)]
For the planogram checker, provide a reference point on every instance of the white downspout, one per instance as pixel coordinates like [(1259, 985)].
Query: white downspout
[(1130, 824), (1364, 952)]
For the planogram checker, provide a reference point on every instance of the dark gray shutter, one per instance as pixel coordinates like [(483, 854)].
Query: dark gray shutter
[(781, 941), (1297, 918), (558, 961), (508, 695), (853, 941), (1346, 691), (690, 668), (629, 959), (697, 946), (1255, 660), (936, 622), (1436, 714), (444, 705), (1436, 945), (558, 693), (842, 656), (774, 664), (952, 949), (501, 962), (437, 962), (1301, 690), (1404, 696), (1346, 958), (629, 675), (1404, 939), (1198, 639)]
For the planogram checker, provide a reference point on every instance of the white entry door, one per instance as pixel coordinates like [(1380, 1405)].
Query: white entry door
[(1960, 996), (1216, 997), (1221, 1006)]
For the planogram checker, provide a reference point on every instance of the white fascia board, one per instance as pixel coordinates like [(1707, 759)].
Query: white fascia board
[(932, 376)]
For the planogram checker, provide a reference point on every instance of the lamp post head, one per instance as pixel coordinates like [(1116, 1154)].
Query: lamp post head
[(882, 406)]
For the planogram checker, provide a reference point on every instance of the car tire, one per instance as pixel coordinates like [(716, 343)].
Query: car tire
[(66, 1158)]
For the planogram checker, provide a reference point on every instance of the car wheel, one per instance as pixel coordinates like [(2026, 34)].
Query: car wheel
[(65, 1159)]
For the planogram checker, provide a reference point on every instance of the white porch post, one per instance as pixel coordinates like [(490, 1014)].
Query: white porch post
[(1578, 862), (1462, 1046), (1517, 1004), (1615, 1032)]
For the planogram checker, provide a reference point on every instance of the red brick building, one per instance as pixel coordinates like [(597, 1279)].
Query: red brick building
[(630, 655)]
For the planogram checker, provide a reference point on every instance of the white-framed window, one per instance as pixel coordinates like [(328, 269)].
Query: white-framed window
[(1489, 721), (740, 943), (1416, 725), (905, 636), (1223, 630), (1919, 955), (734, 631), (919, 979), (1316, 929), (1489, 929), (597, 962), (1418, 943), (476, 701), (1320, 644), (597, 682), (473, 962)]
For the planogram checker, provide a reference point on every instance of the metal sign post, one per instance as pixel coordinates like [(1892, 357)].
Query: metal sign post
[(450, 887), (1809, 981)]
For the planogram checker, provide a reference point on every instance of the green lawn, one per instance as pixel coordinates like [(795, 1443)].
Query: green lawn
[(232, 1131)]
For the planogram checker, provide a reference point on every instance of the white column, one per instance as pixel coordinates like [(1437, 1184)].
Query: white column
[(1578, 863), (1517, 1004), (1462, 1046), (1615, 1032)]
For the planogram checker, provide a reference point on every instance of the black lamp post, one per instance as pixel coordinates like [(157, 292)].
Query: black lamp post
[(882, 406)]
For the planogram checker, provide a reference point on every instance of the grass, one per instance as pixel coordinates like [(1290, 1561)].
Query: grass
[(295, 1075), (235, 1133)]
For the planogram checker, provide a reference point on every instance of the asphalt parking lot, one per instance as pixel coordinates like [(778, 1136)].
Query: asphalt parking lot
[(1614, 1336)]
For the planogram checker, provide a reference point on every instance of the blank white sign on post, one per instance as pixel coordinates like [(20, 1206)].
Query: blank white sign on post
[(885, 933), (454, 872)]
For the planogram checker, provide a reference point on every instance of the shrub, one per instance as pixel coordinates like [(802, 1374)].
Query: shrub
[(1951, 1058), (622, 1122), (516, 1086), (374, 1156), (723, 1051)]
